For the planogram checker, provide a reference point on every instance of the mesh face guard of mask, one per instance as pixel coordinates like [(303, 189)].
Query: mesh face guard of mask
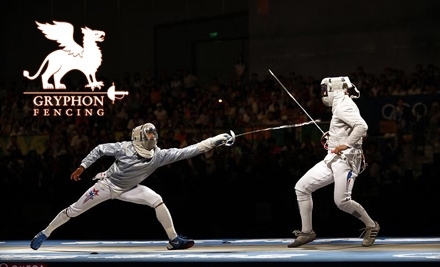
[(146, 135)]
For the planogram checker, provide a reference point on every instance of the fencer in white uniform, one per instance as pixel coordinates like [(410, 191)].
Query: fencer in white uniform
[(135, 160), (342, 164)]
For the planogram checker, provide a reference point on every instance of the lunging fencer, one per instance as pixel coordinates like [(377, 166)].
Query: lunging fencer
[(135, 160), (342, 164)]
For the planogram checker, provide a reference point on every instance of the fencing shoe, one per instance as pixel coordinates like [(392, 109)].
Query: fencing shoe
[(302, 238), (38, 240), (180, 242), (370, 234)]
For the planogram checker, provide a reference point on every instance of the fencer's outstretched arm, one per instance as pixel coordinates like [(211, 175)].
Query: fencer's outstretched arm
[(160, 156), (171, 155)]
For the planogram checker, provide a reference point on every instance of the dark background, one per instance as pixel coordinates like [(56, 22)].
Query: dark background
[(311, 38)]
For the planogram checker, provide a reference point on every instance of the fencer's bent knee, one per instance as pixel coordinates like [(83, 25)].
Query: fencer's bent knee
[(64, 212), (157, 202), (340, 203), (155, 206), (71, 211), (301, 193), (345, 204)]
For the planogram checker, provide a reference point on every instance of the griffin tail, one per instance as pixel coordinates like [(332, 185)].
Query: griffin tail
[(26, 73)]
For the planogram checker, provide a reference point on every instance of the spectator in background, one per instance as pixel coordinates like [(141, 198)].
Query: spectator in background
[(79, 138), (163, 81), (161, 114), (254, 82), (397, 90), (176, 86), (137, 81), (181, 133), (17, 130), (13, 148), (214, 86), (240, 66), (414, 89), (403, 117), (169, 139), (203, 118), (135, 120), (155, 96), (189, 83), (271, 120), (148, 81), (121, 117)]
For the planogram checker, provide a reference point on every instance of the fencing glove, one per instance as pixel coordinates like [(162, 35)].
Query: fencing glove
[(212, 142), (221, 139)]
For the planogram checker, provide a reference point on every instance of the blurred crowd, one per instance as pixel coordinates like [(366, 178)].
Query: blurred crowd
[(186, 111)]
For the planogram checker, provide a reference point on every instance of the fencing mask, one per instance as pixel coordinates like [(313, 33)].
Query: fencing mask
[(144, 138), (336, 87)]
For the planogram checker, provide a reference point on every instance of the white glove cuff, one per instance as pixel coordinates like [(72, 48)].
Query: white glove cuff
[(205, 145)]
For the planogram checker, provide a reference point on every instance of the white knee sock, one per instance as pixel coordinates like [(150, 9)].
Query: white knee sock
[(164, 217), (305, 209), (360, 213), (59, 220)]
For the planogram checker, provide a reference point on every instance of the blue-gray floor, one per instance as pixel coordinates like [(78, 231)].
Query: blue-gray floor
[(271, 252)]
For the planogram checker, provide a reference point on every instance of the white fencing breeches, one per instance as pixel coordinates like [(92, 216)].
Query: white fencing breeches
[(104, 190), (101, 191), (325, 172)]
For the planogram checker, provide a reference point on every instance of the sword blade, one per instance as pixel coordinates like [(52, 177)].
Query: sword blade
[(278, 127)]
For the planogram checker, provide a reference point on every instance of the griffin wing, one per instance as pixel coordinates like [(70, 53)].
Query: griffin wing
[(62, 32)]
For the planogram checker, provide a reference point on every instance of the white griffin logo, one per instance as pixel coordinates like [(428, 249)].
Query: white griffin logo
[(86, 59)]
